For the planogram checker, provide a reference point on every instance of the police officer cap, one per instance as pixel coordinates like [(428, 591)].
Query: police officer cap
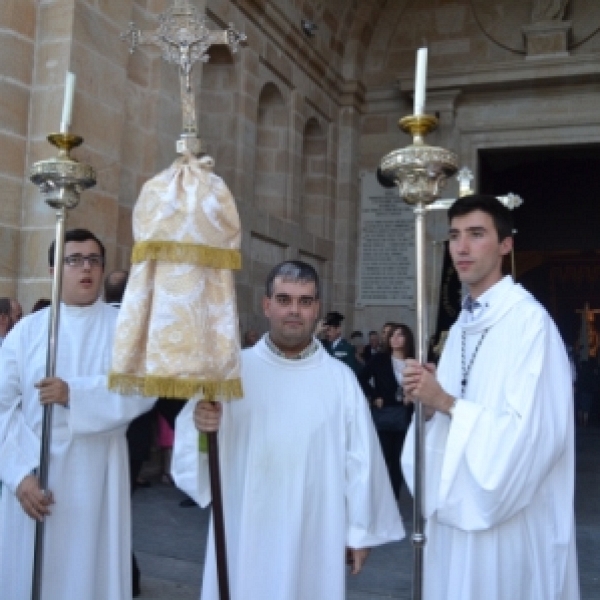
[(334, 319)]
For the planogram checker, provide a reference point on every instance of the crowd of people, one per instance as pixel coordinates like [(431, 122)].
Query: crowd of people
[(312, 453)]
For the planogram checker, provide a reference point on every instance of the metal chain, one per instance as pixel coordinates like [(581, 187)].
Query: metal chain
[(466, 369)]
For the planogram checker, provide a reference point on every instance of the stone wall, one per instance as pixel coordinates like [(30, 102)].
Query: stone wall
[(17, 40), (291, 120)]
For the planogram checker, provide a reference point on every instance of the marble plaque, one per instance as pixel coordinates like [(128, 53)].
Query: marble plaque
[(386, 273)]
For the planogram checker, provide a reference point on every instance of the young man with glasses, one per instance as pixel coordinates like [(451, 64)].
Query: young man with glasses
[(302, 471), (86, 506)]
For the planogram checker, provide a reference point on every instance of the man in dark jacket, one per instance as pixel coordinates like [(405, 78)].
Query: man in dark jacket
[(336, 345)]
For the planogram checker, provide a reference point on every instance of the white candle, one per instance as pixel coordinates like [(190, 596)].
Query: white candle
[(67, 110), (420, 81)]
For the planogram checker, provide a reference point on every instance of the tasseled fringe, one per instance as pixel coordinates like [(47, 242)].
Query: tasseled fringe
[(174, 388), (181, 252)]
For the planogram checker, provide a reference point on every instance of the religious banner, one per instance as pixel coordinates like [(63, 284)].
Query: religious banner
[(177, 332), (386, 273)]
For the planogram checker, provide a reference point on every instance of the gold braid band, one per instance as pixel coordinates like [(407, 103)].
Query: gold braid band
[(173, 387), (182, 252)]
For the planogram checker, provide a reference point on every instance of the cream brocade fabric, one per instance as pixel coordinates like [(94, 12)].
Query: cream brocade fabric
[(177, 332)]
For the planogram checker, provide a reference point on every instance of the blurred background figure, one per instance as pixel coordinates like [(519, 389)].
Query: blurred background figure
[(385, 334), (16, 310), (335, 344), (381, 380), (165, 446), (358, 341), (372, 347), (6, 320), (40, 304), (250, 338), (114, 287)]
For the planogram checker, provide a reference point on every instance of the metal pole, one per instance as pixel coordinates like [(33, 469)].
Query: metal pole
[(418, 537), (419, 171), (61, 179), (38, 553)]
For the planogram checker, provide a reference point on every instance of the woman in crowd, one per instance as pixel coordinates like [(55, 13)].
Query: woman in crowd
[(381, 380)]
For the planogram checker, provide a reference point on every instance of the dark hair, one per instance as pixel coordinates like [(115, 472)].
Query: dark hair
[(41, 303), (356, 334), (373, 332), (409, 344), (76, 235), (501, 215), (293, 270), (5, 308), (114, 285)]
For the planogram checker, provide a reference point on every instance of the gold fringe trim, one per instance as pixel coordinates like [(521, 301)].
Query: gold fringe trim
[(174, 388), (181, 252)]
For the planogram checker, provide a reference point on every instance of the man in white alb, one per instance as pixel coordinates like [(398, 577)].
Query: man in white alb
[(499, 456), (302, 471), (87, 537)]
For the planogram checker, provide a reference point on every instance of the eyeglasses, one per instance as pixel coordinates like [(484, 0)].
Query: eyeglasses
[(286, 300), (78, 260)]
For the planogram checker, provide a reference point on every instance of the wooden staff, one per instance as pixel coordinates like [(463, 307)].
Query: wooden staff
[(218, 519)]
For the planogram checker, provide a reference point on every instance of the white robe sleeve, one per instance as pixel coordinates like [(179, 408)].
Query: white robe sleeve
[(189, 466), (19, 445), (95, 409), (373, 516), (495, 459)]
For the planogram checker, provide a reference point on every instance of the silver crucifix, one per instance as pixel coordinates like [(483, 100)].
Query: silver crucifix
[(184, 39)]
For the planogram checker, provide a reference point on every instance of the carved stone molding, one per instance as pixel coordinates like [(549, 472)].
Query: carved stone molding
[(547, 40)]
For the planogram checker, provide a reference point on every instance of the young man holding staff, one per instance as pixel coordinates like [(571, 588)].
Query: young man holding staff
[(87, 538), (499, 453)]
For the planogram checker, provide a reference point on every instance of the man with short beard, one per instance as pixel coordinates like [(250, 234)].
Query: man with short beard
[(302, 471)]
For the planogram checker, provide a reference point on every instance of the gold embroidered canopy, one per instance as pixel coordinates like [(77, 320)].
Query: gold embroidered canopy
[(177, 332)]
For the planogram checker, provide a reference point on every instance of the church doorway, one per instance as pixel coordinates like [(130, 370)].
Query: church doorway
[(557, 245)]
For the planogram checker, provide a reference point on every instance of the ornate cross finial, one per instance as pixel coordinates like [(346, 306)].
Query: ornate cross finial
[(184, 39)]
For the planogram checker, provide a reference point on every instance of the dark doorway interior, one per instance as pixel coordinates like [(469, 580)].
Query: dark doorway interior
[(558, 226)]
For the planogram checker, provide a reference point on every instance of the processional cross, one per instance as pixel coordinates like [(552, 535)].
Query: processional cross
[(184, 39)]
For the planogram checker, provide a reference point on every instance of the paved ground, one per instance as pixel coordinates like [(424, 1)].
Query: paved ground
[(169, 540)]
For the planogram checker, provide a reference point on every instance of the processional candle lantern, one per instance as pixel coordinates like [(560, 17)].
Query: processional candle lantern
[(61, 180), (420, 171)]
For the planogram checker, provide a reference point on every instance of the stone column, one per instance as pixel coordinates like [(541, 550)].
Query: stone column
[(17, 39), (346, 214)]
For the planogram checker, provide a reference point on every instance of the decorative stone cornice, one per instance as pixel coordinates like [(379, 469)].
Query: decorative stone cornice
[(500, 76)]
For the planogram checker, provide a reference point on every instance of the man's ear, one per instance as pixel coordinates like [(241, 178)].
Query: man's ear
[(266, 302), (506, 245)]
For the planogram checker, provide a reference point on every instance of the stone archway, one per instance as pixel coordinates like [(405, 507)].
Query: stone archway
[(270, 183)]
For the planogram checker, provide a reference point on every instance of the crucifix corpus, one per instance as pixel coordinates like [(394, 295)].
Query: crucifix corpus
[(184, 39)]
